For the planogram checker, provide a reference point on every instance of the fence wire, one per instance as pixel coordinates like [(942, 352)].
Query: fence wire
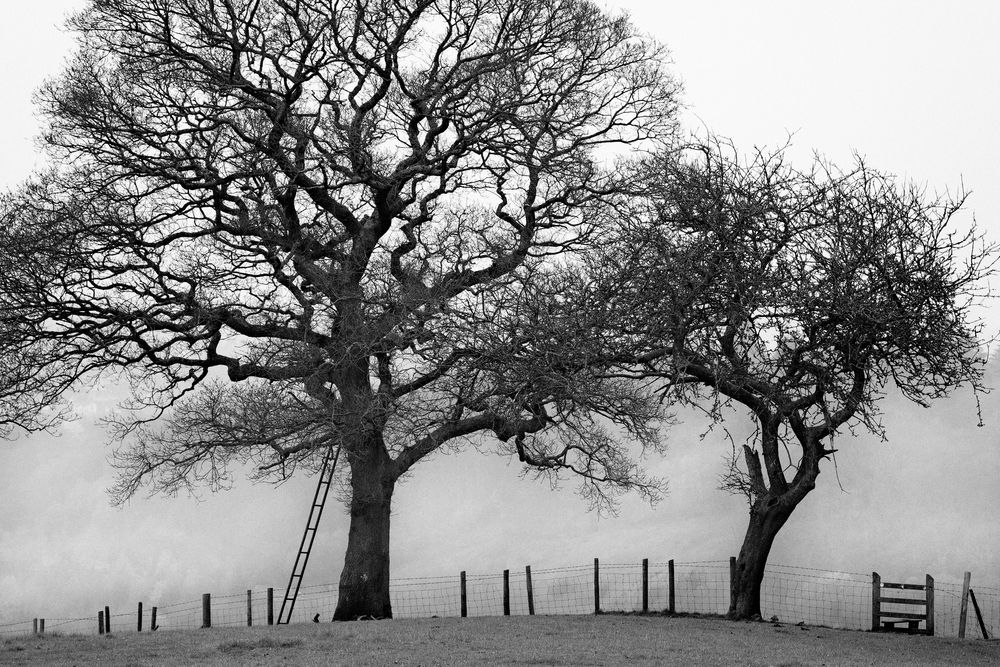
[(790, 594)]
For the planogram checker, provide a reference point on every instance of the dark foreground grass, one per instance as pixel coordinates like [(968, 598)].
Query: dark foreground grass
[(516, 640)]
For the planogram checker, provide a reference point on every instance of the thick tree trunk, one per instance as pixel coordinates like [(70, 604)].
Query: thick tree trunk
[(364, 581), (769, 511), (767, 516)]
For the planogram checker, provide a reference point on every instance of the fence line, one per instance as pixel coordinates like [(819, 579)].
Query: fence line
[(790, 593)]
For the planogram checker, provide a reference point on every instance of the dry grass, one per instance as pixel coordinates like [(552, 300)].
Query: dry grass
[(517, 640)]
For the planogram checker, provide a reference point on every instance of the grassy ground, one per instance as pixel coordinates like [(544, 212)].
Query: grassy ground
[(515, 640)]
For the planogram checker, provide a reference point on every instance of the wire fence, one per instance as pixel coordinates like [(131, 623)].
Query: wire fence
[(790, 594)]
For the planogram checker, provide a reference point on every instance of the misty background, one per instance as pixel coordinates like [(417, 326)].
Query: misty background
[(911, 86)]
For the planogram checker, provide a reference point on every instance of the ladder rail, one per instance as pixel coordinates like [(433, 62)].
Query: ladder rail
[(312, 524)]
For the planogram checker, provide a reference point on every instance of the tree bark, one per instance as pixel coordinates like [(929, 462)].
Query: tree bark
[(770, 509), (767, 515), (364, 581)]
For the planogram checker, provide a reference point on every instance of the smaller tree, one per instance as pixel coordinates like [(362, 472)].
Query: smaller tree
[(801, 296)]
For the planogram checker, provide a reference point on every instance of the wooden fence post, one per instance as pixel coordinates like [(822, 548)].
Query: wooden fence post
[(975, 605), (152, 620), (964, 609), (597, 587), (34, 627), (138, 622), (107, 620), (249, 608), (465, 606), (732, 572), (41, 626), (270, 606), (531, 595), (930, 605), (645, 585), (670, 585), (506, 592), (100, 622), (876, 600), (206, 610)]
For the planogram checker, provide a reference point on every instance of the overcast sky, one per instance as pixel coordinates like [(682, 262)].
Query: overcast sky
[(912, 86)]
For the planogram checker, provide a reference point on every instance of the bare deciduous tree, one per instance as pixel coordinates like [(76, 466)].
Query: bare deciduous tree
[(341, 206), (801, 296)]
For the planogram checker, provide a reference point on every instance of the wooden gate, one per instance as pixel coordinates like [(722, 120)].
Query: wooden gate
[(890, 620)]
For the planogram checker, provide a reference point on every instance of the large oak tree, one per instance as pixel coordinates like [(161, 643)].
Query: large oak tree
[(301, 224)]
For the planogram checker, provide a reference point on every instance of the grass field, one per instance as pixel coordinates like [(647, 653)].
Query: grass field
[(516, 640)]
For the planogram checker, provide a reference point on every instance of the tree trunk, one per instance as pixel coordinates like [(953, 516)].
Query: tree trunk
[(364, 581), (767, 515)]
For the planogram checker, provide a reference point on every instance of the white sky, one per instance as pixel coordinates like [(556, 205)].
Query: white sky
[(912, 86)]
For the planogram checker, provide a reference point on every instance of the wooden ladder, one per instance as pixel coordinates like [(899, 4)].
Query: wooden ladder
[(305, 547)]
